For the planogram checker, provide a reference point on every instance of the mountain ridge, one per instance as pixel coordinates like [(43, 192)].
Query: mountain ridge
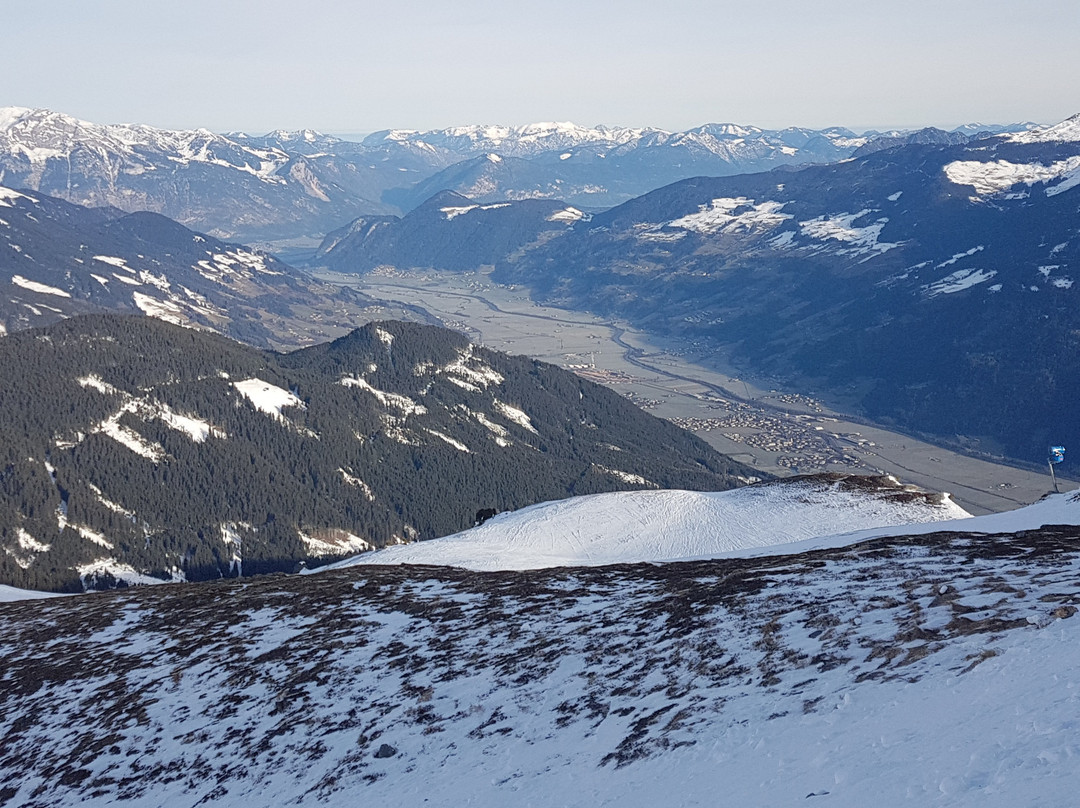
[(911, 269), (166, 453), (285, 186), (58, 259)]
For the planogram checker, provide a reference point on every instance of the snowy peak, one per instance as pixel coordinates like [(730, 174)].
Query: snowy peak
[(1068, 131), (219, 184), (42, 134), (515, 141), (532, 140)]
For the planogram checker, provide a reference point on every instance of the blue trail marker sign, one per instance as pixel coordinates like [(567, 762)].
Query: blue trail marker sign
[(1057, 454)]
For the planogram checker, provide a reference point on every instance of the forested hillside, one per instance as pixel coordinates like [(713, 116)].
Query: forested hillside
[(131, 449)]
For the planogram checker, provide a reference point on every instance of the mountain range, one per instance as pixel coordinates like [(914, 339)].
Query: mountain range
[(136, 451), (928, 286), (288, 185), (58, 259)]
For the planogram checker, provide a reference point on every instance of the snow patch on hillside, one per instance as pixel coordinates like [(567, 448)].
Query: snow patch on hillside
[(128, 437), (991, 177), (112, 260), (566, 215), (959, 256), (93, 536), (469, 372), (841, 227), (195, 428), (165, 310), (102, 568), (499, 432), (40, 288), (334, 542), (267, 397), (625, 476), (7, 195), (403, 405), (732, 215), (518, 416), (385, 337), (461, 447), (959, 281), (95, 382), (231, 538), (356, 482)]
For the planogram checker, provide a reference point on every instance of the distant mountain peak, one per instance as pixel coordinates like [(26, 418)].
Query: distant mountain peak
[(1067, 131)]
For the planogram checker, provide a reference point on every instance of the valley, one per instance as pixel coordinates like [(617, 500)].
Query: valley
[(779, 432)]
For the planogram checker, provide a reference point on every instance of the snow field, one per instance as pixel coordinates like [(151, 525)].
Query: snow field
[(656, 526), (926, 674)]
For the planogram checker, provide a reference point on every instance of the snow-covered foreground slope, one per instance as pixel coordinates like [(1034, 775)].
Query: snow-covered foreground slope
[(938, 670), (11, 594), (670, 525)]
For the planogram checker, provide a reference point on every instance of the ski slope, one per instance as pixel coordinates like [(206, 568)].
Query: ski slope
[(656, 526)]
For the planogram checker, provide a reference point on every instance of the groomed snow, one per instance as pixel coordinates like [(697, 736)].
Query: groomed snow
[(660, 526), (1055, 509), (11, 594)]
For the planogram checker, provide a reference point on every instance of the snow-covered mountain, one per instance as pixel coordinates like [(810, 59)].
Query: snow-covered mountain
[(597, 167), (285, 185), (228, 187), (58, 260), (936, 669), (937, 280)]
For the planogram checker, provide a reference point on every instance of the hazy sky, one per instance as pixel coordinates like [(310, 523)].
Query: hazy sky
[(257, 65)]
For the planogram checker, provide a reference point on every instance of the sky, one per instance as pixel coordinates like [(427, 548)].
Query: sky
[(362, 66)]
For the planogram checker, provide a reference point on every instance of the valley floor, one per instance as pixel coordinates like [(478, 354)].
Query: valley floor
[(774, 431)]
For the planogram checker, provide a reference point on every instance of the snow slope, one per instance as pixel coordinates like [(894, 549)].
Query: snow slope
[(923, 671), (654, 526), (11, 594)]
